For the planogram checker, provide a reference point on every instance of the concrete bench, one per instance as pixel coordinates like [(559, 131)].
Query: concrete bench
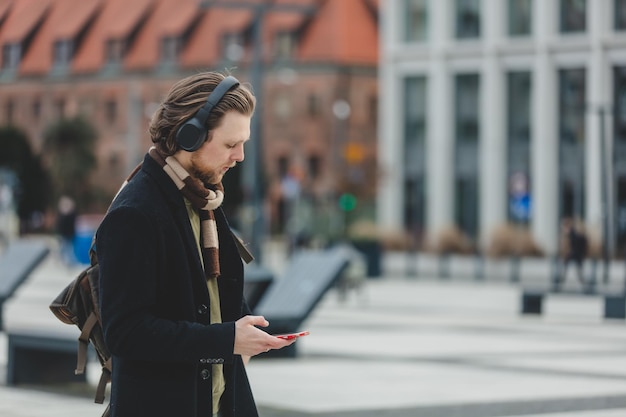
[(291, 298), (613, 293), (257, 281), (16, 263), (41, 349)]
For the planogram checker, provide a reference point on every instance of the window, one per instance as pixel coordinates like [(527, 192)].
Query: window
[(573, 16), (232, 46), (373, 110), (520, 17), (518, 135), (63, 50), (11, 55), (283, 166), (619, 155), (314, 163), (572, 109), (170, 48), (283, 107), (619, 91), (10, 111), (416, 20), (467, 127), (36, 109), (110, 111), (284, 45), (313, 105), (59, 108), (415, 105), (620, 14), (115, 49), (467, 19), (467, 107)]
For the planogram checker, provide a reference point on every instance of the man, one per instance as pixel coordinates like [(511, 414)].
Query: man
[(577, 250), (171, 287)]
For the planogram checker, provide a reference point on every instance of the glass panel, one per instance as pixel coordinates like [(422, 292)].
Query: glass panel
[(572, 97), (414, 153), (520, 17), (62, 52), (284, 44), (620, 14), (573, 16), (416, 23), (467, 19), (170, 48), (467, 131), (11, 54), (518, 134), (619, 155), (619, 91), (467, 108)]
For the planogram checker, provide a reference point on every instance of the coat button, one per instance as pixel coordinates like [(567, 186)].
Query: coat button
[(202, 309), (205, 374)]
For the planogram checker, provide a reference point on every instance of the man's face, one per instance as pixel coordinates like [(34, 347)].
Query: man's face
[(215, 157)]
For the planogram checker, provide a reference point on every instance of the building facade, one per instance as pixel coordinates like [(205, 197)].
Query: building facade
[(504, 111), (113, 61)]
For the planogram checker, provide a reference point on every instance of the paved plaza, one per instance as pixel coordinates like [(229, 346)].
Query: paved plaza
[(404, 346)]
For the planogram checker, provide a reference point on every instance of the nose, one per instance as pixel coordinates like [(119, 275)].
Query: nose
[(238, 154)]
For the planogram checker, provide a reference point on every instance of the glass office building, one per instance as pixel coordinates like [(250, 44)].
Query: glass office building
[(498, 111)]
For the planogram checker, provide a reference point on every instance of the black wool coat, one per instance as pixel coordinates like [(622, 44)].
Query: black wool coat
[(155, 306)]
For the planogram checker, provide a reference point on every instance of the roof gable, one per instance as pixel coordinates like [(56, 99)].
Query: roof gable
[(330, 36), (65, 20)]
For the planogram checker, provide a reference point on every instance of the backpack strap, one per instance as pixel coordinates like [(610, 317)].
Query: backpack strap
[(83, 343), (105, 378)]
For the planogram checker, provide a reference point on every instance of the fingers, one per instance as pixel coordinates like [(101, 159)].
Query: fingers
[(255, 321), (250, 340)]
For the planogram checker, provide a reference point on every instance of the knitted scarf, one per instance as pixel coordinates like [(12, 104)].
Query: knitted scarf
[(205, 200)]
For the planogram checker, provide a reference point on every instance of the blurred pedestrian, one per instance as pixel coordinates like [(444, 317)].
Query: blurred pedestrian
[(66, 229), (576, 250)]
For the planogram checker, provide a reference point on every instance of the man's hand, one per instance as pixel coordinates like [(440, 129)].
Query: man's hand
[(250, 341)]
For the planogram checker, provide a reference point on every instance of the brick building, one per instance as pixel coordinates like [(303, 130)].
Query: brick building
[(113, 61)]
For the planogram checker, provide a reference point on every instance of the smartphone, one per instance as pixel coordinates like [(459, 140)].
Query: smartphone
[(290, 336)]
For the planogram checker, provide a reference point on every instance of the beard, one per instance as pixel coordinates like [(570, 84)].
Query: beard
[(207, 176)]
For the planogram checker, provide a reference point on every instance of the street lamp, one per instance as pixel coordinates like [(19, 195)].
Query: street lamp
[(252, 171)]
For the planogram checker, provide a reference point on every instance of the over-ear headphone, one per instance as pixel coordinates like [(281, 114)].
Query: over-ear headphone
[(192, 134)]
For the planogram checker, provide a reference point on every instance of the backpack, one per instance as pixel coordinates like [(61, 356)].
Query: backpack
[(78, 305)]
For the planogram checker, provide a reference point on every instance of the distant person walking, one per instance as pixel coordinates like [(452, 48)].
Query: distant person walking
[(577, 250), (66, 228)]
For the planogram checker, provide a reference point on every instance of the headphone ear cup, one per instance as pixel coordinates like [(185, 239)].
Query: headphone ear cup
[(191, 135)]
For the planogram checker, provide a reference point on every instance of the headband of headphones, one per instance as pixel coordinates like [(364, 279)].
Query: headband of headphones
[(192, 134)]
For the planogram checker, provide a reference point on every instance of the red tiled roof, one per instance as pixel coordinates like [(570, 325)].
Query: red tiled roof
[(340, 31), (204, 48), (286, 20), (23, 16), (124, 17), (330, 37), (117, 20), (170, 18), (65, 20)]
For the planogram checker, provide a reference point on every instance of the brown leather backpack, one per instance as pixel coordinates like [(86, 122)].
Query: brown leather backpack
[(78, 305)]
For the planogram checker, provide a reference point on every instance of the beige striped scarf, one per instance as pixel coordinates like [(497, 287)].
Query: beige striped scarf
[(205, 200)]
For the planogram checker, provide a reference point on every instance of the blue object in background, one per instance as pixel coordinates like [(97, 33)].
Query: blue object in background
[(86, 226), (82, 243)]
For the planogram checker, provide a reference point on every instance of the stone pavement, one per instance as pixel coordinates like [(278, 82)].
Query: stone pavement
[(404, 347)]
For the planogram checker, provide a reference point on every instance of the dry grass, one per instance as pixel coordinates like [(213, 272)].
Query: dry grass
[(512, 240)]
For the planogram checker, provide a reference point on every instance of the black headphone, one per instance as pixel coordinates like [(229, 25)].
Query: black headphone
[(192, 134)]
